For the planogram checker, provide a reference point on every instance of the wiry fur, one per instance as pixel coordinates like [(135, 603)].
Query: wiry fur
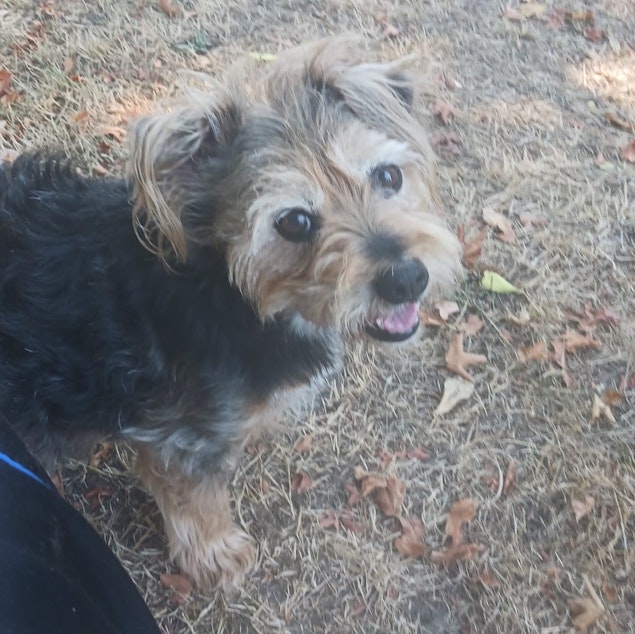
[(200, 333)]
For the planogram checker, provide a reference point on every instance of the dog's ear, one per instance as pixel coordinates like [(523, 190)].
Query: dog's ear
[(166, 154), (403, 87)]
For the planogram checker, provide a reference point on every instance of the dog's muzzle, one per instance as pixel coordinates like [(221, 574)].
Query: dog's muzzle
[(400, 286)]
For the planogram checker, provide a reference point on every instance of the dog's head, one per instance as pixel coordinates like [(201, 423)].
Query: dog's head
[(317, 184)]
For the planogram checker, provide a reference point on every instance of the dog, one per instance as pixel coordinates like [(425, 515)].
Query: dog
[(186, 306)]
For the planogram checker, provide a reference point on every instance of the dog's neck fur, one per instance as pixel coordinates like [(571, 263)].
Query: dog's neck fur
[(157, 343)]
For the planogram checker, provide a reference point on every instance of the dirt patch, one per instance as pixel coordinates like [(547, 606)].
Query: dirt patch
[(535, 101)]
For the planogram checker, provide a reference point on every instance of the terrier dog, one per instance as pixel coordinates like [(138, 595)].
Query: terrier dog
[(186, 306)]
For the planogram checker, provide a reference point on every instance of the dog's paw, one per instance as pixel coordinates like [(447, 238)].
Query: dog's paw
[(221, 562)]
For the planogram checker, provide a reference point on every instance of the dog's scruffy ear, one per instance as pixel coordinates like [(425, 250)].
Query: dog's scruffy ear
[(166, 152)]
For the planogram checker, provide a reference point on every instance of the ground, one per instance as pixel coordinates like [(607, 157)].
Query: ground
[(539, 102)]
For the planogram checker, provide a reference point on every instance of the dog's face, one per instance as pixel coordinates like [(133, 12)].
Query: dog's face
[(319, 188)]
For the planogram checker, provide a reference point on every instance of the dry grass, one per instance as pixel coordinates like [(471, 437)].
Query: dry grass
[(531, 101)]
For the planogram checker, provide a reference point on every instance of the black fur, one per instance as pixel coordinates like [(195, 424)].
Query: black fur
[(97, 336)]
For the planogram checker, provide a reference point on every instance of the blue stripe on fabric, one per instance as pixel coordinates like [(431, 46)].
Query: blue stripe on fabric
[(22, 469)]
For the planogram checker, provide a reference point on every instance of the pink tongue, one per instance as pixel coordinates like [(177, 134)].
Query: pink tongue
[(402, 320)]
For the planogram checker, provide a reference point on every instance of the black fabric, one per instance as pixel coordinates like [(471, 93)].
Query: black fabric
[(56, 574)]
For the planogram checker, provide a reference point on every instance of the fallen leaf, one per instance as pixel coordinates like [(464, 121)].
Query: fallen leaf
[(537, 352), (329, 520), (498, 221), (587, 612), (574, 340), (471, 246), (611, 593), (68, 65), (531, 219), (428, 319), (409, 543), (170, 7), (387, 457), (451, 555), (612, 397), (627, 153), (353, 495), (560, 359), (446, 308), (455, 390), (457, 360), (114, 131), (488, 579), (347, 521), (99, 169), (443, 110), (447, 143), (263, 57), (417, 453), (180, 585), (472, 325), (582, 507), (524, 11), (594, 34), (461, 512), (619, 123), (580, 16), (301, 482), (389, 491), (304, 444), (80, 117), (496, 283), (559, 352), (599, 409), (390, 498), (6, 78), (522, 319), (510, 477)]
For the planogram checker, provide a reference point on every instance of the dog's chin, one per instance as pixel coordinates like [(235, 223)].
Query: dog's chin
[(395, 324)]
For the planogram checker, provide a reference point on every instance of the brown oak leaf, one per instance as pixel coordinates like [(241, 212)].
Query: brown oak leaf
[(171, 8), (301, 482), (498, 221), (472, 325), (457, 360), (537, 352), (472, 247), (390, 498), (410, 543), (446, 308), (304, 444), (180, 586), (627, 153), (582, 506)]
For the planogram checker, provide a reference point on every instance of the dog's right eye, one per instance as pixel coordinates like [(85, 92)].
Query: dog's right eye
[(296, 225)]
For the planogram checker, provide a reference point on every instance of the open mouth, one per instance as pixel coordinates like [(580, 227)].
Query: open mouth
[(397, 323)]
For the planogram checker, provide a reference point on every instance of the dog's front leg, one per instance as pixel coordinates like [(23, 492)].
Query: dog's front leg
[(204, 540)]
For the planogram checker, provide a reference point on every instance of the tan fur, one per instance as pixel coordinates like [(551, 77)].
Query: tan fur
[(305, 149), (203, 539)]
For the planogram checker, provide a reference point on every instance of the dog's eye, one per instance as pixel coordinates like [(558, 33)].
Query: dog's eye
[(387, 179), (296, 225)]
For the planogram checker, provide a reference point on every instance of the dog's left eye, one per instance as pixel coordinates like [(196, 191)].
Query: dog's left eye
[(296, 225), (387, 179)]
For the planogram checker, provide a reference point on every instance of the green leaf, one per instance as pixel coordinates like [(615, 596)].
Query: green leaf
[(497, 283)]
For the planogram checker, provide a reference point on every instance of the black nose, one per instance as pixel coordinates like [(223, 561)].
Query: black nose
[(402, 282)]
